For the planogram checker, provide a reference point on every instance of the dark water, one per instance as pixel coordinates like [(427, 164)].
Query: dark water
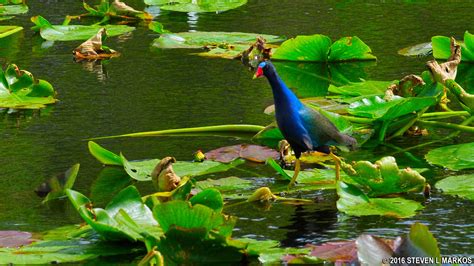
[(149, 89)]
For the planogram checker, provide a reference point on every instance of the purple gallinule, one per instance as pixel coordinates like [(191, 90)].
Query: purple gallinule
[(303, 127)]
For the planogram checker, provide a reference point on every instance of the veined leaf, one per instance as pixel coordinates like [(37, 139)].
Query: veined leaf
[(353, 201), (454, 157), (197, 6), (74, 32), (113, 222), (20, 90), (461, 185)]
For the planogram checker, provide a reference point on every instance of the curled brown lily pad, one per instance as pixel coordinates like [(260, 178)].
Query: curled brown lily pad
[(92, 49)]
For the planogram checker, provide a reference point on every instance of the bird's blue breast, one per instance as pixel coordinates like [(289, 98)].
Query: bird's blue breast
[(288, 110)]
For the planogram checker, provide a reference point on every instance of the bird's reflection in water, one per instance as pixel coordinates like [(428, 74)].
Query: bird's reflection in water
[(310, 223), (95, 66)]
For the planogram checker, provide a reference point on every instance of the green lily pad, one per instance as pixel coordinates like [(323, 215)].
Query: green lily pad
[(197, 6), (312, 48), (182, 246), (9, 30), (20, 90), (365, 88), (384, 177), (350, 48), (181, 214), (454, 157), (461, 186), (141, 170), (203, 39), (225, 184), (442, 47), (309, 79), (56, 186), (310, 179), (12, 9), (62, 251), (74, 32), (121, 218), (209, 197), (377, 108), (318, 48), (353, 201)]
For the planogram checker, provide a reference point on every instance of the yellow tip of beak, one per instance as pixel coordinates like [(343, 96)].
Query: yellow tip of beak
[(254, 76)]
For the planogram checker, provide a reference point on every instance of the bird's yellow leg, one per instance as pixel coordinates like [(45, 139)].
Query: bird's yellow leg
[(295, 175), (337, 161)]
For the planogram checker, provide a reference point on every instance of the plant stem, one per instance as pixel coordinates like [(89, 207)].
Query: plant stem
[(360, 120), (407, 154), (452, 135), (402, 130), (447, 125), (444, 114)]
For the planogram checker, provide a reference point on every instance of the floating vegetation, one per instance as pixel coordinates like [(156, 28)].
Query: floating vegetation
[(74, 32), (197, 6), (20, 90)]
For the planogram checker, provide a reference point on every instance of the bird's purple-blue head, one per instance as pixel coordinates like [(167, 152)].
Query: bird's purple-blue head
[(260, 68)]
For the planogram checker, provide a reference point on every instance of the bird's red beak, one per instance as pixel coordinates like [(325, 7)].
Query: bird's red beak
[(259, 73)]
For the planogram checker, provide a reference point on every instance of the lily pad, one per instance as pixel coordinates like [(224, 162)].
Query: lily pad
[(120, 219), (353, 201), (14, 239), (442, 50), (311, 179), (182, 246), (209, 197), (20, 90), (9, 30), (253, 153), (181, 214), (377, 108), (318, 48), (116, 9), (365, 88), (231, 183), (12, 9), (461, 185), (312, 48), (197, 6), (384, 177), (62, 251), (454, 157), (141, 170), (348, 49), (74, 32), (210, 40)]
